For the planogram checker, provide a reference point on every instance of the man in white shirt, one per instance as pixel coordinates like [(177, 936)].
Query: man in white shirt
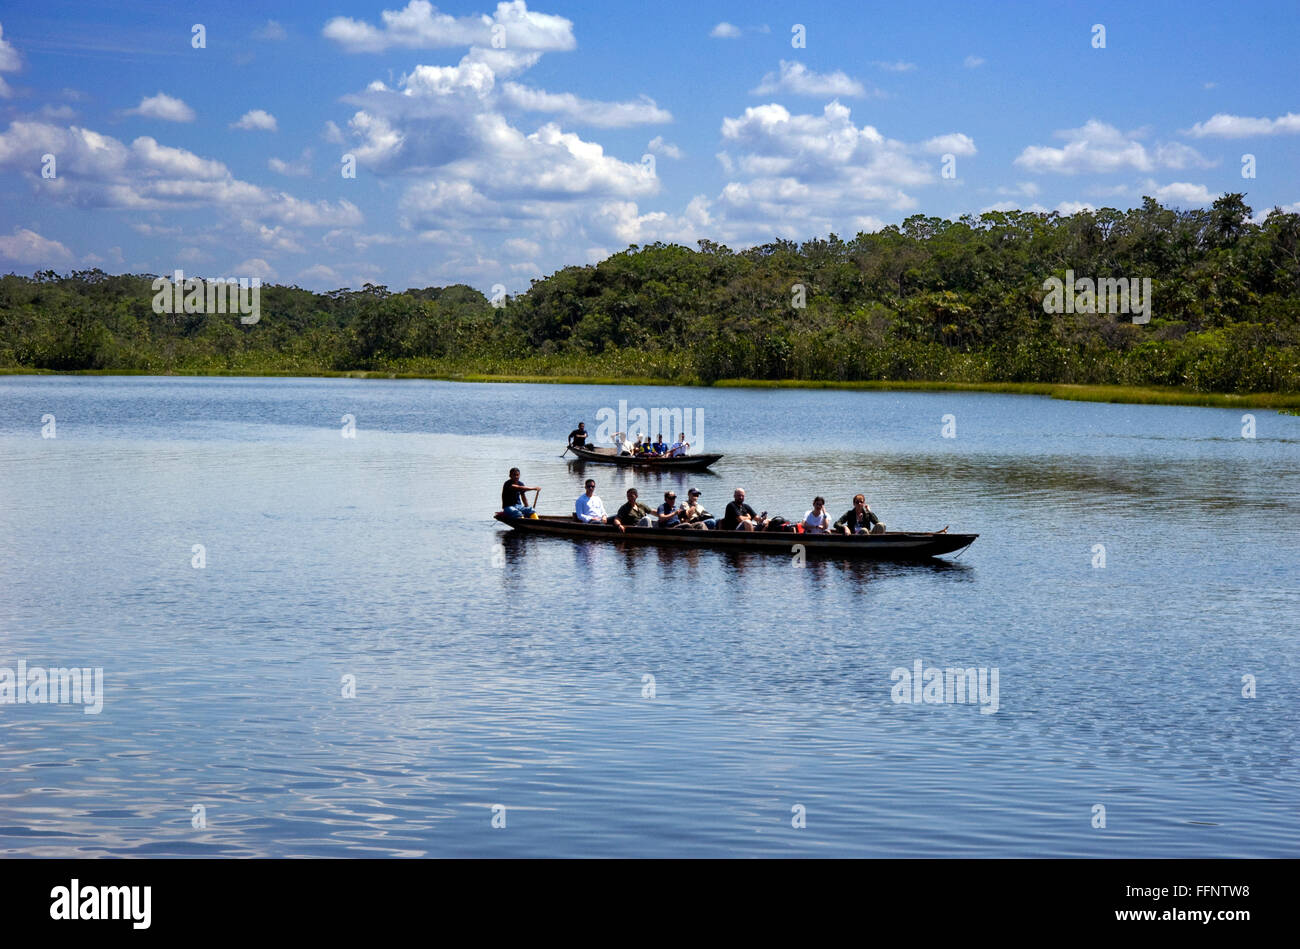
[(679, 446), (589, 508)]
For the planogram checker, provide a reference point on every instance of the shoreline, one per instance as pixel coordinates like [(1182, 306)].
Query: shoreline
[(1132, 395)]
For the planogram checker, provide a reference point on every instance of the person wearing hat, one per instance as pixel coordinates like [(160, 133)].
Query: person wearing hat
[(694, 515)]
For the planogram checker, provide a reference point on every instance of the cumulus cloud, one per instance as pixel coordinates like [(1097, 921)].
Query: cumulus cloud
[(811, 173), (333, 134), (973, 62), (419, 25), (955, 143), (1099, 148), (794, 78), (725, 31), (298, 168), (896, 66), (28, 247), (99, 171), (1224, 125), (1181, 193), (256, 119), (164, 107), (584, 111), (657, 146), (256, 267)]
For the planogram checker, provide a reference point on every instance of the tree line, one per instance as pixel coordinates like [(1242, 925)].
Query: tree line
[(927, 299)]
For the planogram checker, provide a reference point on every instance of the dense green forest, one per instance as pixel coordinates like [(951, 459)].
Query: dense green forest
[(929, 299)]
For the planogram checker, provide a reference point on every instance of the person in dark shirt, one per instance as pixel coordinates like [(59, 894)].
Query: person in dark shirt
[(860, 519), (632, 513), (740, 516), (578, 437), (514, 503), (660, 447)]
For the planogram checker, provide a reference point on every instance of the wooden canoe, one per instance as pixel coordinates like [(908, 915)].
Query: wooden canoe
[(893, 545), (607, 456)]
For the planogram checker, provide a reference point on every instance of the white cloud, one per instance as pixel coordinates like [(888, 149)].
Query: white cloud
[(896, 66), (1181, 193), (28, 247), (10, 61), (256, 119), (584, 111), (657, 146), (725, 31), (955, 143), (97, 170), (333, 134), (1224, 125), (320, 276), (298, 168), (1098, 148), (164, 107), (420, 26), (795, 78), (973, 62), (256, 267), (272, 31), (800, 175)]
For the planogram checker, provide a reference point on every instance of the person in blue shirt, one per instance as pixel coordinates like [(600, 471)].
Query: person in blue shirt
[(660, 447)]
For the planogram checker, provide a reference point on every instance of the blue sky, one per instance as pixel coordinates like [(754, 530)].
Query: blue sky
[(494, 144)]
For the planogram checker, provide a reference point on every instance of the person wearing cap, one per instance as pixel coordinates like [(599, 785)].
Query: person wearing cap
[(694, 515), (669, 513)]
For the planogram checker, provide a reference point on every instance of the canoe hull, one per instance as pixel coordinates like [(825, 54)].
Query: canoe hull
[(605, 456), (894, 545)]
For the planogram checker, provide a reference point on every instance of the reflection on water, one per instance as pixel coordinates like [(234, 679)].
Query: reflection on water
[(492, 667)]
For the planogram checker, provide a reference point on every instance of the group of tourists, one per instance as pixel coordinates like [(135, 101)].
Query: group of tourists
[(643, 447), (738, 515)]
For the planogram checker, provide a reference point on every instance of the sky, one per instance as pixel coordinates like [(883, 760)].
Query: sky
[(335, 144)]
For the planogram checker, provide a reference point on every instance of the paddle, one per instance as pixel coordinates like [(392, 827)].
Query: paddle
[(566, 450)]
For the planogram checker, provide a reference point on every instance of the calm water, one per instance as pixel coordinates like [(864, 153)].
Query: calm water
[(491, 669)]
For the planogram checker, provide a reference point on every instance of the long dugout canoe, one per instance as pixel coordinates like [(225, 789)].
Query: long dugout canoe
[(607, 456), (892, 545)]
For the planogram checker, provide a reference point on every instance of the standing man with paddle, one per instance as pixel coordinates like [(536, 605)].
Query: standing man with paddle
[(577, 438), (514, 496)]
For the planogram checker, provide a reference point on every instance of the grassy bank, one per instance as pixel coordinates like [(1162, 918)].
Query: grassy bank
[(1288, 403)]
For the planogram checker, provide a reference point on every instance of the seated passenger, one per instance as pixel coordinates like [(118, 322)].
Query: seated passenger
[(817, 521), (739, 516), (694, 515), (633, 513), (659, 448), (589, 508), (859, 520), (668, 514), (679, 447)]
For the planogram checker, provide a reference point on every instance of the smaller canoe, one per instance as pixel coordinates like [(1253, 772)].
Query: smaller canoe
[(607, 456)]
